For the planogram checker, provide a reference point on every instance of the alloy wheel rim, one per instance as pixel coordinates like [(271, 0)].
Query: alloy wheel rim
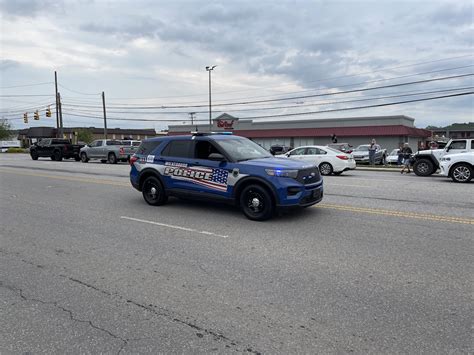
[(325, 169), (461, 173)]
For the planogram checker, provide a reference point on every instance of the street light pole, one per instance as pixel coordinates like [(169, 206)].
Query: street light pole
[(209, 69)]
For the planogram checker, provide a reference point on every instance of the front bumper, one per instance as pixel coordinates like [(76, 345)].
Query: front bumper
[(444, 169), (308, 195)]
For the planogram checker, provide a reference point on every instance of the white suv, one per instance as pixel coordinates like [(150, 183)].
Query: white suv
[(460, 167)]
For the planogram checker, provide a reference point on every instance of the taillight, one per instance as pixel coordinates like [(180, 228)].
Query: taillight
[(133, 159), (343, 157), (121, 150)]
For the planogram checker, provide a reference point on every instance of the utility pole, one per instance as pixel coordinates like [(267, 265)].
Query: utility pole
[(105, 116), (209, 69), (60, 107), (57, 104), (191, 114)]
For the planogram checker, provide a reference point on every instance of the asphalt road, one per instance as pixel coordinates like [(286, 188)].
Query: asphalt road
[(382, 265)]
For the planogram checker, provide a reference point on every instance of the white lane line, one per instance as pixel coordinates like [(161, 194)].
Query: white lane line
[(175, 227)]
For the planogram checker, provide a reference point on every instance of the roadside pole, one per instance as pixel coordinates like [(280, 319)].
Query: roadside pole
[(57, 103), (60, 107), (105, 116)]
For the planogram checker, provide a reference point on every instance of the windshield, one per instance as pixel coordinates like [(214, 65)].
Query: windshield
[(362, 148), (243, 149)]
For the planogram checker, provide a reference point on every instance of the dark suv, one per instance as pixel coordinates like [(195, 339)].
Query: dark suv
[(223, 168)]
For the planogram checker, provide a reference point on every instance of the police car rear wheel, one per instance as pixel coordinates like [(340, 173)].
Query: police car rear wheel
[(153, 191), (256, 203)]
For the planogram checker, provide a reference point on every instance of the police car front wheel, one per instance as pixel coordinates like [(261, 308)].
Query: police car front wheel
[(256, 203), (153, 191)]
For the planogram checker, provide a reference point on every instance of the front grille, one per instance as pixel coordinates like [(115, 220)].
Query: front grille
[(308, 176), (316, 195)]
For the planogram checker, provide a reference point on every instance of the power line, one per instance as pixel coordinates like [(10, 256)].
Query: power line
[(362, 107), (288, 98), (78, 92), (292, 114), (21, 86)]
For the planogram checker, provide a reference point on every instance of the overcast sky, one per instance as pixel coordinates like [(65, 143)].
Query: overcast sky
[(154, 53)]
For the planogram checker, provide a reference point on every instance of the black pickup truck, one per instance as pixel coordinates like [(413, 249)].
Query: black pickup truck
[(56, 149)]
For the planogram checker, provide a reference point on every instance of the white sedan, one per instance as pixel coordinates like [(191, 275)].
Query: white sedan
[(329, 160)]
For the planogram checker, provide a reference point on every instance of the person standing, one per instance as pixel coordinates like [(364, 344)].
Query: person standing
[(407, 152), (400, 156), (372, 150)]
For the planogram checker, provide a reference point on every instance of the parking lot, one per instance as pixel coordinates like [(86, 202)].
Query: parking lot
[(382, 265)]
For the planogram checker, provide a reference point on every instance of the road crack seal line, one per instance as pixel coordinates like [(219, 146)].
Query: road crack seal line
[(19, 291), (392, 213), (166, 314)]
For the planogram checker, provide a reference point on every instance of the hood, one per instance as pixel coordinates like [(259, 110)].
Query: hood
[(277, 163), (430, 151)]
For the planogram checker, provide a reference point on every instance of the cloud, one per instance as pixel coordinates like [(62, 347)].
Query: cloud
[(29, 8), (6, 64)]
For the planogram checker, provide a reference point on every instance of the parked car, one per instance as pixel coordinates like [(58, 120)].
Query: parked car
[(223, 168), (361, 154), (55, 148), (342, 147), (107, 150), (459, 167), (426, 162), (393, 157), (279, 149), (330, 161)]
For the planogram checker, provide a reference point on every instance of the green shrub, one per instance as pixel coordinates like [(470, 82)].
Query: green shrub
[(16, 150)]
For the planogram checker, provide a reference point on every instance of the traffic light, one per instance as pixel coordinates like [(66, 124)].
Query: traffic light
[(37, 116), (25, 117), (48, 112)]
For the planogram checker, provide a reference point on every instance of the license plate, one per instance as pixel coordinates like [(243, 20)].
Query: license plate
[(315, 194)]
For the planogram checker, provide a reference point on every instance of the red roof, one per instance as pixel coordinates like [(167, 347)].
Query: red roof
[(372, 131)]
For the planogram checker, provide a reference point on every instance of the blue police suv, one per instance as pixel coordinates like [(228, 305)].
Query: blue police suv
[(226, 168)]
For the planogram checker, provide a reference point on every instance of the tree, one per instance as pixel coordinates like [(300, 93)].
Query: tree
[(85, 135), (5, 132)]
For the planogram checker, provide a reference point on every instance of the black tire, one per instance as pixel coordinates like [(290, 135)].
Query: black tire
[(77, 158), (84, 157), (423, 167), (325, 169), (52, 158), (256, 203), (383, 161), (103, 161), (112, 158), (57, 155), (337, 173), (153, 191), (34, 155), (461, 172)]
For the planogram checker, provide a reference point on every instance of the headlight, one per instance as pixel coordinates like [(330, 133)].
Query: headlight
[(445, 159), (282, 173)]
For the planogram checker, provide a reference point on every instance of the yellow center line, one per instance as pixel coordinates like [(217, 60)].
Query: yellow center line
[(347, 208), (393, 213)]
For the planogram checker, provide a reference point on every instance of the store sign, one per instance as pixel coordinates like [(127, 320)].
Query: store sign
[(225, 124)]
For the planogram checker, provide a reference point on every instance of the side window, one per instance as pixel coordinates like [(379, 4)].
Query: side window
[(472, 144), (322, 152), (299, 151), (94, 144), (202, 149), (147, 147), (312, 151), (178, 149), (458, 145)]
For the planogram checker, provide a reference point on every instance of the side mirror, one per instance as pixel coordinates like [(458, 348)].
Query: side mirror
[(216, 157)]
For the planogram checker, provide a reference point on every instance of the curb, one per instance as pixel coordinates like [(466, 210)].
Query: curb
[(364, 168)]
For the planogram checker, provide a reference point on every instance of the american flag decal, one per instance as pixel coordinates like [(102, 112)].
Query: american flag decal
[(211, 178)]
